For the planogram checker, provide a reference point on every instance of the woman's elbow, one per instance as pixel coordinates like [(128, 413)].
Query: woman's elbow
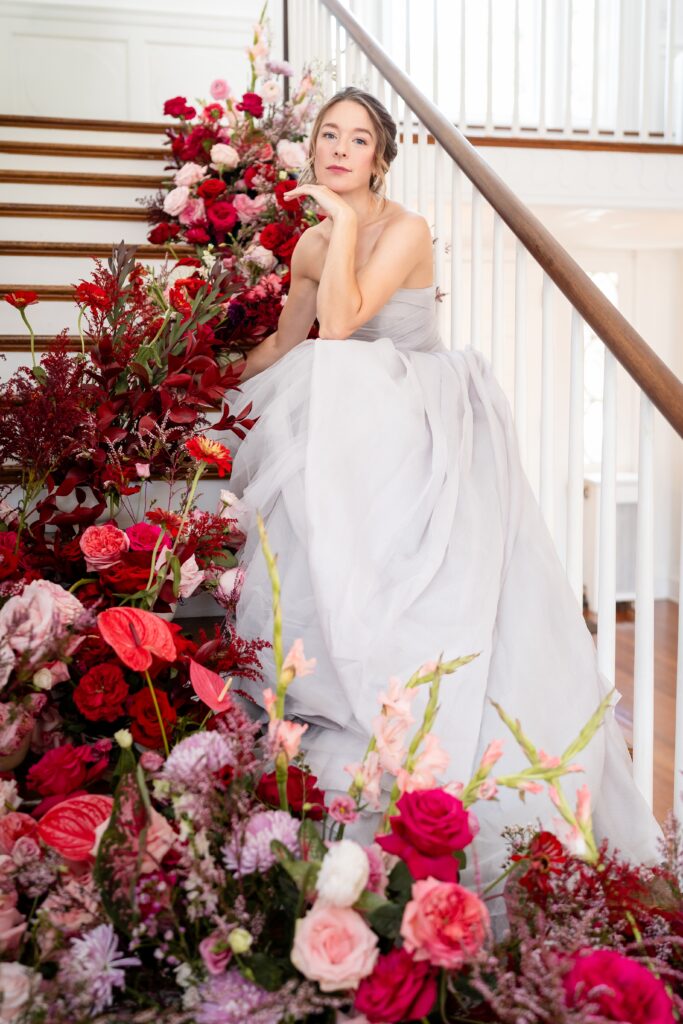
[(336, 331)]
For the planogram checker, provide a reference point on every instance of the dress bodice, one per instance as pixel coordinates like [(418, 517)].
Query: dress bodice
[(408, 318)]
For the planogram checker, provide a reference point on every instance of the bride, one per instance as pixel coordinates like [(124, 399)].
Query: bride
[(387, 472)]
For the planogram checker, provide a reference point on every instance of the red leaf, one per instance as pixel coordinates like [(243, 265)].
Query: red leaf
[(69, 828)]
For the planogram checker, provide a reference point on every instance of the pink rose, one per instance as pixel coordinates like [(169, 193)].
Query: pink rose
[(191, 576), (430, 827), (334, 946), (247, 209), (18, 985), (103, 546), (38, 618), (144, 537), (378, 878), (215, 953), (219, 89), (176, 200), (444, 923), (224, 155), (14, 826), (625, 990), (12, 924), (292, 155), (17, 721), (398, 989), (190, 174), (194, 212)]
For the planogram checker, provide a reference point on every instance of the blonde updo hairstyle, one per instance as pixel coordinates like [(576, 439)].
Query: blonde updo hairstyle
[(385, 131)]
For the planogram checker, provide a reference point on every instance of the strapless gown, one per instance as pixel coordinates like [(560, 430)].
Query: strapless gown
[(387, 471)]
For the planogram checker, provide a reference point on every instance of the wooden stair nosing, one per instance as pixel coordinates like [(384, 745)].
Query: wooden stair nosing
[(12, 177), (42, 342), (11, 474), (76, 249), (44, 292), (74, 149), (67, 212), (84, 124)]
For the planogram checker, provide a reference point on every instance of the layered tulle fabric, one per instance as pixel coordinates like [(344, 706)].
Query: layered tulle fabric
[(387, 471)]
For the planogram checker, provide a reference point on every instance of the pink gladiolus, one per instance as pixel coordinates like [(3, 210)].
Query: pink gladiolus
[(583, 806), (397, 699), (488, 790), (527, 786), (285, 737), (547, 761), (296, 660), (492, 754), (429, 666), (269, 699), (430, 762), (368, 777), (390, 734)]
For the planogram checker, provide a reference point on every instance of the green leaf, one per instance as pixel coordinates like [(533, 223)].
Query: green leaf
[(386, 920), (369, 902), (401, 880), (309, 835), (266, 971), (304, 873), (39, 373)]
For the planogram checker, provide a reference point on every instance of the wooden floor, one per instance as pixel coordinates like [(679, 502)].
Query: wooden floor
[(666, 633)]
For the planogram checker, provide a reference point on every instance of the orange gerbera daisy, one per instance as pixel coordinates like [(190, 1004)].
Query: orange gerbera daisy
[(206, 450)]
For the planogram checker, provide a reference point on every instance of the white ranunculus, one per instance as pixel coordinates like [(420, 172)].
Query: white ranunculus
[(224, 156), (344, 873), (176, 200), (190, 174)]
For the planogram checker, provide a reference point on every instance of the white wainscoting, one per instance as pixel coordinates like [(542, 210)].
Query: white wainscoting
[(121, 61)]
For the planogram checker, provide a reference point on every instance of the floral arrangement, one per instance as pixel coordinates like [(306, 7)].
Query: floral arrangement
[(233, 162)]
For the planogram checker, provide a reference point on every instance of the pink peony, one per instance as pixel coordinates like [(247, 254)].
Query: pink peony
[(38, 619), (144, 537), (103, 546), (444, 923), (224, 155), (219, 89), (334, 946), (624, 990), (190, 174), (18, 985), (12, 924), (176, 200)]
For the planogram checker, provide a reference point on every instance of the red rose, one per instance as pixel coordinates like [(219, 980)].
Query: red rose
[(302, 788), (101, 692), (280, 190), (222, 215), (161, 233), (92, 295), (626, 990), (126, 577), (251, 104), (66, 768), (430, 827), (197, 236), (266, 171), (285, 250), (145, 724), (211, 189), (178, 107), (399, 988), (273, 235)]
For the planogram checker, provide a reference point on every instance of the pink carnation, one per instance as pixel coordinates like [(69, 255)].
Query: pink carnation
[(444, 923), (103, 546), (334, 946)]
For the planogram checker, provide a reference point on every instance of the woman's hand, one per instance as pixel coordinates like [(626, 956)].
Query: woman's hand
[(328, 201)]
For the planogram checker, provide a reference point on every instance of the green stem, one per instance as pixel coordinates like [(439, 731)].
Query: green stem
[(158, 711), (81, 311), (163, 572), (281, 773), (22, 314)]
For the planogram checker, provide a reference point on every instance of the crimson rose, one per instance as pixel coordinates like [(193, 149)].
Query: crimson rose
[(212, 188), (197, 236), (101, 692), (281, 189), (251, 104), (161, 233), (145, 724), (302, 788), (222, 215), (399, 988), (66, 768), (430, 827), (273, 235), (284, 251)]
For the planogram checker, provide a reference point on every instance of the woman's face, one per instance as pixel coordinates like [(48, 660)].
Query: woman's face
[(345, 148)]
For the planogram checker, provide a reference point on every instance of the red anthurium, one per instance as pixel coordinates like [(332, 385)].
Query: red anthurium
[(20, 300), (210, 687), (69, 828), (136, 636)]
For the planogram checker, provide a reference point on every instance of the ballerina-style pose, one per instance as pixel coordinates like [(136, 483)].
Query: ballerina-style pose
[(386, 468)]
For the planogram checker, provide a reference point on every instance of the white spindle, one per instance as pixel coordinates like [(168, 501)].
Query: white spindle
[(440, 230), (547, 438), (435, 50), (575, 462), (422, 157), (607, 588), (497, 299), (678, 755), (347, 60), (316, 18), (338, 67), (670, 106), (596, 68), (489, 67), (515, 73), (476, 270), (462, 120), (645, 71), (543, 68), (621, 73), (456, 256), (521, 420), (407, 117), (643, 671), (397, 175), (568, 56)]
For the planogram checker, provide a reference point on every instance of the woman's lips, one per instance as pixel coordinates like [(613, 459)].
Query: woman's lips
[(338, 170)]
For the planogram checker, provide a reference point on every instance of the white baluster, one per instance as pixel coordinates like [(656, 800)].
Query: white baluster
[(489, 68), (407, 119), (422, 155), (521, 415), (440, 231), (462, 119), (621, 72), (497, 299), (596, 68), (568, 56), (315, 19), (476, 271), (543, 69), (607, 563), (670, 106), (515, 84), (678, 755), (456, 257), (645, 72), (643, 671), (575, 462), (546, 489), (435, 50), (338, 63), (398, 166)]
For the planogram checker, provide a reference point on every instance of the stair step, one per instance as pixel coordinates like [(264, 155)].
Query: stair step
[(83, 150), (44, 292), (81, 124), (80, 249), (21, 342), (66, 211), (146, 181)]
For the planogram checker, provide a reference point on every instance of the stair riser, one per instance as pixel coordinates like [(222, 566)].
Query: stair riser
[(73, 136), (87, 195), (30, 270), (85, 164), (57, 229)]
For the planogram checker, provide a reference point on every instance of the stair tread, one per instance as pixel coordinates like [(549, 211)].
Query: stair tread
[(72, 211), (76, 149), (14, 248), (81, 123), (81, 178)]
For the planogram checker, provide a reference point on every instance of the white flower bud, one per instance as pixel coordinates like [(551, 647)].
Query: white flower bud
[(240, 940), (344, 873)]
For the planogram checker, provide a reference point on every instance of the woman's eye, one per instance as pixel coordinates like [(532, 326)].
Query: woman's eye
[(328, 135), (361, 140)]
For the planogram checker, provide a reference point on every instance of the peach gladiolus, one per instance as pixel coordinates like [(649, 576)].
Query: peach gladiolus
[(285, 736)]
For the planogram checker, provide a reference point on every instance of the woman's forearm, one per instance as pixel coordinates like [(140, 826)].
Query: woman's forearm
[(261, 357), (339, 298)]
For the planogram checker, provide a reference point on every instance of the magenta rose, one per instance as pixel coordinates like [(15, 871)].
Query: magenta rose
[(103, 546), (399, 988), (625, 990), (444, 923), (430, 827), (144, 537), (251, 104), (222, 215)]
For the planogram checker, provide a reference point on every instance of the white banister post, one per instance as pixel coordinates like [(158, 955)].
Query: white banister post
[(607, 592), (521, 411), (497, 299), (575, 462), (568, 56), (475, 271), (456, 256), (462, 120), (515, 76), (596, 69), (440, 232), (645, 72), (643, 669), (547, 477)]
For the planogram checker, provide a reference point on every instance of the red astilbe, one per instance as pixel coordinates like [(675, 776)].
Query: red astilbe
[(229, 654), (212, 536)]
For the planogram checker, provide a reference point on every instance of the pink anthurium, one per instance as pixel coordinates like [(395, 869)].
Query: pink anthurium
[(210, 687), (136, 636), (69, 828)]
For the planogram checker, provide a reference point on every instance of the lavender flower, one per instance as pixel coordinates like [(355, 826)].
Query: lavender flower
[(96, 966), (250, 851), (193, 761), (231, 999)]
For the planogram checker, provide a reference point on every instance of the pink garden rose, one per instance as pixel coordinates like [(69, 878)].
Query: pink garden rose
[(444, 923), (215, 953), (194, 212), (144, 537), (430, 826), (103, 546), (247, 209), (17, 984), (190, 174), (219, 89), (224, 155), (17, 721), (38, 619), (291, 155), (176, 200), (12, 924), (625, 990), (334, 946)]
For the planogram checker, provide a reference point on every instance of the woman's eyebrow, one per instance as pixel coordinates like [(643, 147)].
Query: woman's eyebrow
[(331, 124)]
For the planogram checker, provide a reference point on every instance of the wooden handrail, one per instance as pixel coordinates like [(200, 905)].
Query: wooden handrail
[(651, 374)]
